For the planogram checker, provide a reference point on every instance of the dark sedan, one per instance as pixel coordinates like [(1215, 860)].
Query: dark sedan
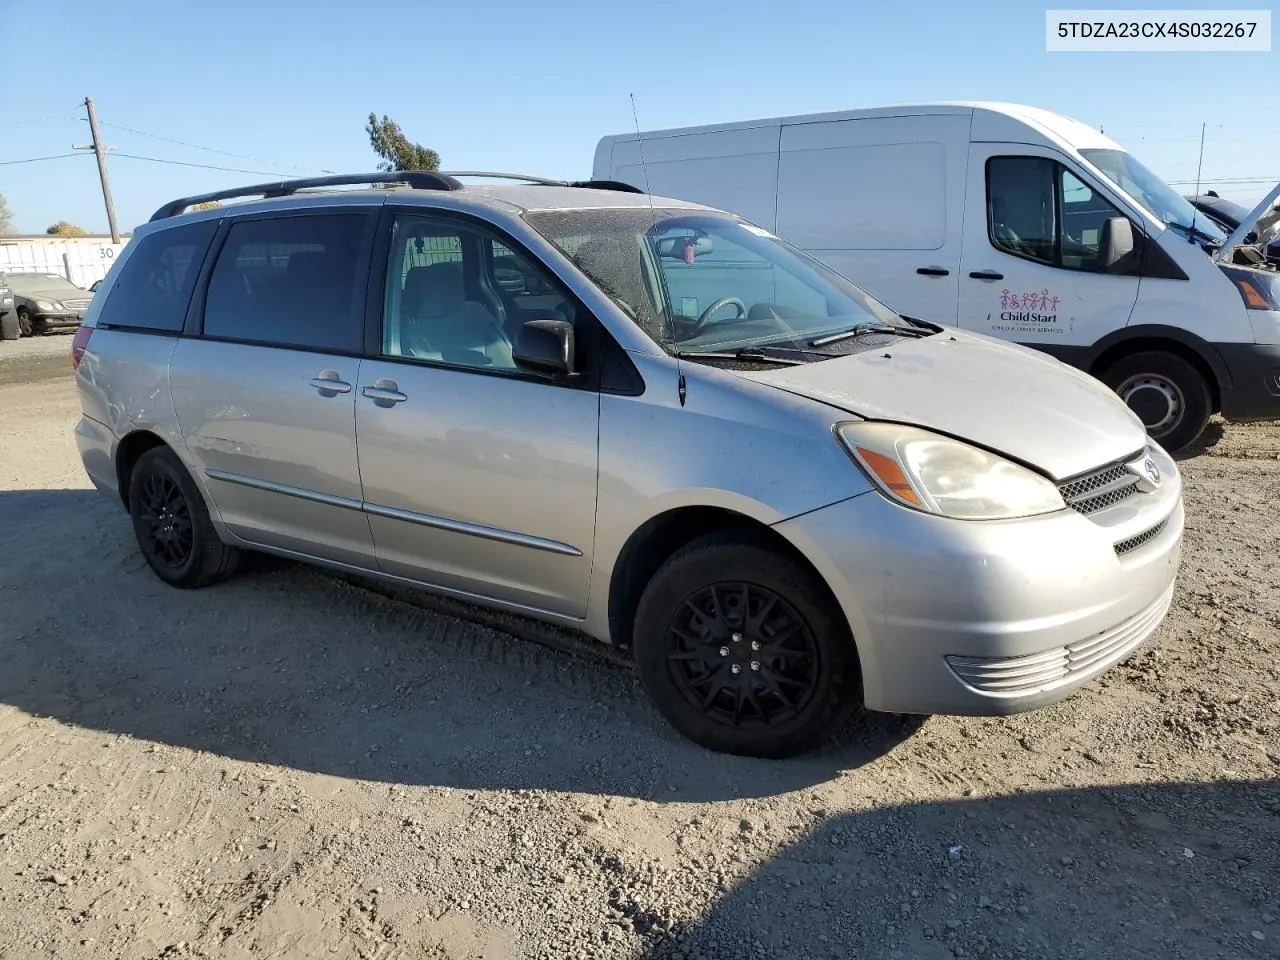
[(1227, 215), (46, 301)]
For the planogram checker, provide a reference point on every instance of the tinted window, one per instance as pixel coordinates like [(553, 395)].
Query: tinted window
[(456, 295), (1037, 209), (1020, 206), (156, 279), (291, 281)]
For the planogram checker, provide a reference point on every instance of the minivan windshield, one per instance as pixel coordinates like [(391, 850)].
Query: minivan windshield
[(1158, 197), (702, 282)]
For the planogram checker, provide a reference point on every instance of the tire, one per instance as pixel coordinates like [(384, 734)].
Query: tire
[(24, 322), (9, 327), (1167, 392), (790, 694), (172, 525)]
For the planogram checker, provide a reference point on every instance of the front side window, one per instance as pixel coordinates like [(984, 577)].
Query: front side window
[(292, 282), (696, 281), (155, 282), (1039, 210), (457, 296)]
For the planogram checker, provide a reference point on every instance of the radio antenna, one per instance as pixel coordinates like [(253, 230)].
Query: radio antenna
[(1195, 210), (667, 334)]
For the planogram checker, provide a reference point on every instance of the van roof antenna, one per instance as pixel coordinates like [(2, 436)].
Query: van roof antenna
[(1195, 211), (667, 334)]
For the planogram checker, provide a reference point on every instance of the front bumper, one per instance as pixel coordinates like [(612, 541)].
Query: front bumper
[(1255, 375), (994, 617), (58, 318)]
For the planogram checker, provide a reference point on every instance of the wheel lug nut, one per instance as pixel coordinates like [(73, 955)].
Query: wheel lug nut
[(736, 669), (755, 644), (755, 664), (736, 638), (724, 651)]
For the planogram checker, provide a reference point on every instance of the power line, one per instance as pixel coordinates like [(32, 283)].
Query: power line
[(56, 156), (203, 166), (196, 146)]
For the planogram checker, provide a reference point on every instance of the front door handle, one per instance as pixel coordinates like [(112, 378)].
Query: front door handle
[(933, 271), (385, 392), (330, 384), (986, 275)]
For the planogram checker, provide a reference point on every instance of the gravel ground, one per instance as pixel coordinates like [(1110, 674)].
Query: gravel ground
[(293, 765)]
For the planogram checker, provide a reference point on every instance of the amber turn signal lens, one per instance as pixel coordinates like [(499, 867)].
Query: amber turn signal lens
[(890, 474)]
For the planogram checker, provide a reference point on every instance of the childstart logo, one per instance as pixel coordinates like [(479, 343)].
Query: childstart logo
[(1027, 312), (1029, 307)]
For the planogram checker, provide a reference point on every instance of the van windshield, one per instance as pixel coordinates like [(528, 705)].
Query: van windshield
[(1146, 188), (699, 282)]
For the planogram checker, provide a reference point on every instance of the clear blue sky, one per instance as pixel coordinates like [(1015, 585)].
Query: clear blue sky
[(531, 86)]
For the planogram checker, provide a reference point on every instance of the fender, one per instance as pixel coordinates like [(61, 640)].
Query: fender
[(1086, 358)]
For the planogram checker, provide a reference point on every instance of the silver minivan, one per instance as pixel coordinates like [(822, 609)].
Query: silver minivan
[(642, 418)]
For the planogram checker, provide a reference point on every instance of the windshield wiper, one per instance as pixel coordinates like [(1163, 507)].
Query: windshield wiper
[(868, 326), (1193, 232), (746, 353)]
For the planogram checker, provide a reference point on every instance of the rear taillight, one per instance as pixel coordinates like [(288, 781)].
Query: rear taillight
[(79, 345)]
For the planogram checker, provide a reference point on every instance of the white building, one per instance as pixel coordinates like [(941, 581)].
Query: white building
[(82, 260)]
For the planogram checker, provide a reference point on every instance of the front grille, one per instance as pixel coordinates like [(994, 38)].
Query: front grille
[(1073, 663), (1098, 490), (76, 304), (1134, 542)]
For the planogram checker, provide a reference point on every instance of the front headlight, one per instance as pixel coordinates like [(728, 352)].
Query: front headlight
[(933, 473), (48, 305), (1259, 289)]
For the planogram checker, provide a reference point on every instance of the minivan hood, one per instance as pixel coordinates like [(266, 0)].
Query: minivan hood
[(1264, 220), (1010, 399)]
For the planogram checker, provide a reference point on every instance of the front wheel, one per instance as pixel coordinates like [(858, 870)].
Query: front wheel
[(743, 650), (1166, 391), (172, 525), (25, 326)]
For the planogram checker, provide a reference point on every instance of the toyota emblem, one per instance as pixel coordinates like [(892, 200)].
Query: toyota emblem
[(1152, 471)]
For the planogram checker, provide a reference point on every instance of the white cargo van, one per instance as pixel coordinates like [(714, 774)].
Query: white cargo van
[(1009, 221)]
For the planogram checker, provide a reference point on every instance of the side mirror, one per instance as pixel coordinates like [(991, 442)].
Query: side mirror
[(1116, 248), (545, 347)]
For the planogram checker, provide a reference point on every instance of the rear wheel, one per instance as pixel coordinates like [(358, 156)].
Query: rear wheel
[(742, 649), (25, 325), (172, 524), (1166, 391)]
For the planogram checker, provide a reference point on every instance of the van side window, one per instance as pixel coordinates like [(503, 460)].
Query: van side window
[(1039, 210), (291, 282), (456, 296), (156, 280)]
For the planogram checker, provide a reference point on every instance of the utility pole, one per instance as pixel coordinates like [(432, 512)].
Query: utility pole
[(102, 170)]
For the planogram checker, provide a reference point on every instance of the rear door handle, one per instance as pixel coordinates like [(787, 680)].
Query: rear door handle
[(986, 275), (933, 271), (330, 384), (385, 392)]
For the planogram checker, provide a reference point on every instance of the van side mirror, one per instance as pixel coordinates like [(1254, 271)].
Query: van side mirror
[(546, 348), (1116, 248)]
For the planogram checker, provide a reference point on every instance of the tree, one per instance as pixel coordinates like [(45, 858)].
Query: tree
[(6, 219), (64, 229), (394, 148)]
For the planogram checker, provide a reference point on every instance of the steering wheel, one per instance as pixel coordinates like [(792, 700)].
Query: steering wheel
[(704, 318)]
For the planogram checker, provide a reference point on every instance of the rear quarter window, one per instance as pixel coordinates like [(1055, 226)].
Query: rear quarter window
[(156, 279)]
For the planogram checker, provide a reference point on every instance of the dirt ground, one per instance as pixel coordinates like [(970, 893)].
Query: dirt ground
[(293, 765)]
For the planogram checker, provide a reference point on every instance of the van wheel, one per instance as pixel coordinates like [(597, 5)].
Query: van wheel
[(1167, 392), (743, 651), (172, 524)]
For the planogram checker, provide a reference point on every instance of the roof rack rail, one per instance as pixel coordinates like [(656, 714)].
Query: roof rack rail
[(417, 179), (545, 182)]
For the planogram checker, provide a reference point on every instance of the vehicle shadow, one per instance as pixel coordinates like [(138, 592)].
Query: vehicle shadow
[(289, 665), (1184, 870)]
